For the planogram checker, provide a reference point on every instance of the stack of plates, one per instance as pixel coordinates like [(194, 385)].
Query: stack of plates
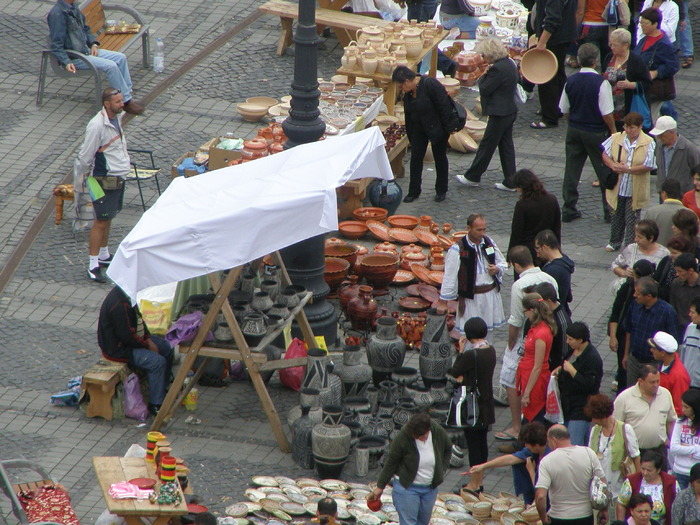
[(481, 510)]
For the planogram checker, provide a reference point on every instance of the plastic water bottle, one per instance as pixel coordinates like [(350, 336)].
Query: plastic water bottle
[(159, 56)]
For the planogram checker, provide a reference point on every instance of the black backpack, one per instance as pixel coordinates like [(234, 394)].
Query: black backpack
[(459, 116)]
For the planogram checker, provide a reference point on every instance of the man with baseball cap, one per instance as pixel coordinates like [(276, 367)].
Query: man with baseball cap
[(674, 376), (676, 157)]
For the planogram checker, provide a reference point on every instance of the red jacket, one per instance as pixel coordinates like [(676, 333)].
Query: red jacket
[(669, 488), (677, 381)]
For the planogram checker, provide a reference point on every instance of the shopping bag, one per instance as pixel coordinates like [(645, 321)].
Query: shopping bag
[(553, 411), (134, 407), (464, 408), (292, 377), (156, 315), (639, 105)]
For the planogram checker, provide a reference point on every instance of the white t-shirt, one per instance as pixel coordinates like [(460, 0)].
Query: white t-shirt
[(567, 473), (426, 461)]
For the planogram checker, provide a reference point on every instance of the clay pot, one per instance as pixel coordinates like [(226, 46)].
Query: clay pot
[(413, 257), (386, 247), (385, 350), (412, 41), (425, 223), (539, 67), (254, 149), (379, 269), (335, 272), (411, 248), (362, 309), (348, 290), (364, 34), (334, 240), (446, 228), (342, 251)]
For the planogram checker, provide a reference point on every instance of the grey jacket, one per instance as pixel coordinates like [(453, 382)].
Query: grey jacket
[(685, 158), (661, 214)]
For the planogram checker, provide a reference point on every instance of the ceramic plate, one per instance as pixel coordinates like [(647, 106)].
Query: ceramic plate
[(445, 242), (278, 497), (275, 522), (307, 482), (275, 111), (379, 230), (281, 515), (333, 484), (241, 521), (263, 514), (455, 505), (257, 521), (414, 304), (436, 276), (402, 235), (297, 497), (294, 509), (252, 506), (441, 521), (429, 293), (254, 495), (343, 513), (311, 508), (264, 481), (367, 519), (331, 129), (270, 490), (425, 237), (237, 510), (143, 483), (423, 274), (283, 480), (403, 277), (439, 511), (458, 516), (310, 491)]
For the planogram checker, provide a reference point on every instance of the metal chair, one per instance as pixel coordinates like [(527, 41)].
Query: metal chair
[(10, 489), (47, 59), (141, 174)]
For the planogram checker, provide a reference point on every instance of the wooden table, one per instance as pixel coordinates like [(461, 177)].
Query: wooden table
[(111, 470)]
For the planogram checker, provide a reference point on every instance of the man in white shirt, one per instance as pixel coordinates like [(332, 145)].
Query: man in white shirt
[(529, 275), (587, 100), (566, 474)]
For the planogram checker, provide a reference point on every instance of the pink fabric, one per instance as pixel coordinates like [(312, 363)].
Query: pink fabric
[(125, 490)]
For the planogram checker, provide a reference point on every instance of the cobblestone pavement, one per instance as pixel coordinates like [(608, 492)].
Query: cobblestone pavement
[(49, 310)]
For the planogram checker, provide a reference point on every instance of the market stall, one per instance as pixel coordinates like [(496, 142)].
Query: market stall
[(226, 218)]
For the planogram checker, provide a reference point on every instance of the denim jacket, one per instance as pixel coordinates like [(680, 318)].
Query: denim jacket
[(68, 30)]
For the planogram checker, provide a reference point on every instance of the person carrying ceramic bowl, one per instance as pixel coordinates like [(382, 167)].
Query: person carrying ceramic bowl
[(415, 464)]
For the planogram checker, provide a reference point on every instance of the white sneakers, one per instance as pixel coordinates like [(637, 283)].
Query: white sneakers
[(502, 187), (466, 182)]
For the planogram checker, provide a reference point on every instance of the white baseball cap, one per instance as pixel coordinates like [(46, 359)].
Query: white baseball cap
[(663, 124), (664, 342)]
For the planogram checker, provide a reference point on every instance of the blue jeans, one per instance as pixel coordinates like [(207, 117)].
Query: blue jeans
[(683, 480), (465, 23), (114, 65), (684, 37), (423, 10), (157, 366), (578, 430), (414, 504)]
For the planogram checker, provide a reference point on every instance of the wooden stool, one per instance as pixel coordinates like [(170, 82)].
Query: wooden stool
[(100, 382), (62, 192)]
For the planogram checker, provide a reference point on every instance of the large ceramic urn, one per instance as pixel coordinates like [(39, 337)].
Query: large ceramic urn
[(362, 309), (302, 452), (317, 375), (386, 351), (330, 442), (436, 348), (354, 374)]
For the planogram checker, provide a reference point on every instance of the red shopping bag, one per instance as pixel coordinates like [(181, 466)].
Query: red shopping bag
[(292, 377)]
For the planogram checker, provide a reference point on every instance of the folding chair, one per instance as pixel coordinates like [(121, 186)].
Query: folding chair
[(10, 489), (139, 174)]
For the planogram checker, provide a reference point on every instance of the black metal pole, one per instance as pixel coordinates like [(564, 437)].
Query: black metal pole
[(305, 260)]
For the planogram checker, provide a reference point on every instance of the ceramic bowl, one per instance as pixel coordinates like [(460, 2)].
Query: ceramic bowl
[(335, 272), (353, 229), (262, 101), (251, 112), (403, 221), (369, 213), (452, 85), (379, 269), (463, 142), (476, 129), (342, 251), (539, 67)]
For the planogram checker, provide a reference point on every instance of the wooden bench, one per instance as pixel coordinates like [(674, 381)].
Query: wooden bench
[(100, 382), (344, 24), (96, 19)]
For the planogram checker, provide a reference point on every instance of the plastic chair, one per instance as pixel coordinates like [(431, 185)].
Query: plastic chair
[(10, 490), (140, 174)]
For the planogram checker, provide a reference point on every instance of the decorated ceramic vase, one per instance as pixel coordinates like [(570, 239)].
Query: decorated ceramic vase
[(436, 348), (330, 443), (386, 351), (385, 194), (302, 452), (308, 397), (362, 309), (354, 374), (404, 411), (317, 374)]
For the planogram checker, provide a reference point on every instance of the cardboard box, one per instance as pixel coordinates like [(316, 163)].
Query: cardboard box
[(188, 173), (220, 158)]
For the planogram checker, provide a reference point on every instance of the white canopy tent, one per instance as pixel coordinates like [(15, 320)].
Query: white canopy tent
[(228, 217)]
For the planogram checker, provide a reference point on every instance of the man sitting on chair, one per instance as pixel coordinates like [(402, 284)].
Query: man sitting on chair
[(69, 31)]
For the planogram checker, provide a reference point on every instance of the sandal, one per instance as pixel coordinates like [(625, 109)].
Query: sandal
[(541, 125), (505, 436), (686, 62)]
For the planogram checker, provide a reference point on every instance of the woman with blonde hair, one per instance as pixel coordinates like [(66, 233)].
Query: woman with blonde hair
[(497, 89), (533, 372)]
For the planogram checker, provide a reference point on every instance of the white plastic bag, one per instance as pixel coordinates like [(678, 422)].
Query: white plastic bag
[(109, 519), (553, 410), (135, 451)]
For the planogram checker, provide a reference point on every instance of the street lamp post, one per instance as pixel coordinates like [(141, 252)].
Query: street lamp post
[(305, 260)]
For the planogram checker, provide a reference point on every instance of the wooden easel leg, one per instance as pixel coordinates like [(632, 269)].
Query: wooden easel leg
[(433, 62)]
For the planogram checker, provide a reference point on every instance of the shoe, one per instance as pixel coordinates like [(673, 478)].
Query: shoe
[(686, 62), (134, 107), (613, 386), (502, 187), (508, 448), (505, 436), (610, 248), (572, 217), (439, 197), (410, 198), (96, 275), (541, 125), (463, 180), (106, 262), (153, 409)]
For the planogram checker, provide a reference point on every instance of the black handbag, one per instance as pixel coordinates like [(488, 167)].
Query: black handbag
[(662, 89), (464, 405), (610, 177)]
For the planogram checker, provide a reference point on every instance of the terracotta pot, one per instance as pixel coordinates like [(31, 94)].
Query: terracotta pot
[(414, 257), (386, 247), (411, 248), (425, 223), (336, 270), (348, 290), (342, 251), (362, 309), (254, 149), (379, 269), (334, 240)]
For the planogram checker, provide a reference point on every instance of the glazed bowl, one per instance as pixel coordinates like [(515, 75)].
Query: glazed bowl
[(353, 229), (370, 213), (346, 252), (379, 269), (335, 272), (452, 85), (476, 129), (539, 67), (251, 112), (403, 221), (262, 101)]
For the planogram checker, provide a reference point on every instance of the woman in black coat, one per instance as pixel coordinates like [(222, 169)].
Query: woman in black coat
[(474, 368), (429, 118), (497, 89), (626, 72)]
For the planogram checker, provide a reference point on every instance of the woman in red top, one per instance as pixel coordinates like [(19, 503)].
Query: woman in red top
[(533, 370), (691, 199)]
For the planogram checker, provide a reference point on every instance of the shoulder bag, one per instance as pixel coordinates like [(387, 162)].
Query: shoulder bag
[(609, 180), (639, 105), (464, 405), (627, 467), (662, 89), (599, 492)]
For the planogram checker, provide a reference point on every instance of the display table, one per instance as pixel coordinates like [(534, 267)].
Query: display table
[(111, 470), (382, 79)]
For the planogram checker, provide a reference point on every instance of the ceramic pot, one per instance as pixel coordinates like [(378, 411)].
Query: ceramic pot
[(439, 411), (412, 41), (253, 327), (376, 445), (223, 333), (411, 248), (271, 287), (372, 393), (386, 351), (369, 63), (386, 194), (404, 411), (388, 392), (247, 287), (280, 310), (335, 271), (289, 298), (261, 302), (307, 397), (318, 374), (411, 258), (385, 409), (354, 404), (420, 395), (302, 452), (354, 374), (386, 247), (347, 252), (362, 309), (436, 348), (387, 423), (404, 376), (379, 269), (348, 290), (485, 28), (363, 35), (439, 393), (330, 443), (361, 460), (254, 149), (481, 7), (363, 418), (425, 223)]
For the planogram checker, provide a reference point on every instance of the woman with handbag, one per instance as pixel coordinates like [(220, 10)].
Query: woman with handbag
[(613, 441), (661, 487), (474, 368), (532, 375), (660, 56), (685, 440), (628, 76), (578, 377), (630, 154)]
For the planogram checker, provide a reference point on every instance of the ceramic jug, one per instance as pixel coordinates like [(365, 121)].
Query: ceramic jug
[(412, 41), (369, 62)]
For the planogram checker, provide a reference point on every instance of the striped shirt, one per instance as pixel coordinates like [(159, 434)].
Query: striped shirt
[(625, 187)]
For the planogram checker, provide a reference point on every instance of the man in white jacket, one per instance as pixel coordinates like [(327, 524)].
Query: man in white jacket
[(103, 156)]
